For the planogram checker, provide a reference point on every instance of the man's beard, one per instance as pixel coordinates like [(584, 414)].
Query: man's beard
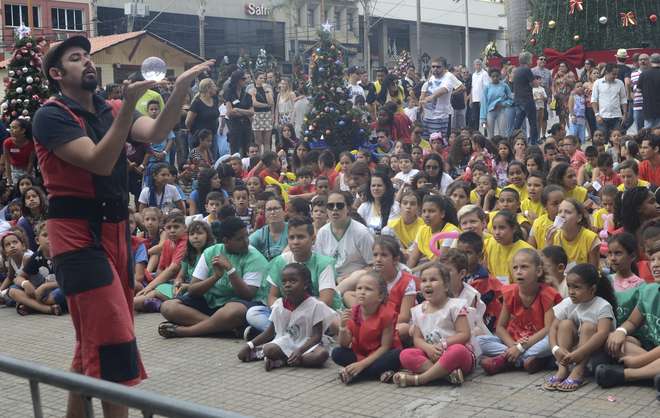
[(89, 84)]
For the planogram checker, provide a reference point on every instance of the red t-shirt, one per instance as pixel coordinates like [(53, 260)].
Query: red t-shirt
[(173, 252), (265, 173), (398, 292), (368, 332), (527, 321), (19, 157), (649, 172), (578, 160)]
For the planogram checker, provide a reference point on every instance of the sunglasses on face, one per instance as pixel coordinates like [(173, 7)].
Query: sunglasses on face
[(336, 206)]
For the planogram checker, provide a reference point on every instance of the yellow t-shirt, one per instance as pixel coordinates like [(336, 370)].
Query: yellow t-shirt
[(491, 215), (540, 229), (499, 257), (522, 191), (528, 206), (424, 235), (474, 197), (406, 233), (598, 218), (578, 193), (640, 183), (578, 249)]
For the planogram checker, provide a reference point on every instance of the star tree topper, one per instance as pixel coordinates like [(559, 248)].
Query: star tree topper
[(22, 31), (327, 26)]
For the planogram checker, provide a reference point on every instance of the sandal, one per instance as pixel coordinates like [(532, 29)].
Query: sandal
[(345, 377), (386, 377), (167, 330), (456, 377), (55, 310), (551, 382), (270, 364), (401, 379), (23, 310), (576, 383)]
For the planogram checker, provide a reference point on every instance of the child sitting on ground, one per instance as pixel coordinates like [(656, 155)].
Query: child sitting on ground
[(554, 266), (622, 255), (581, 326), (298, 322), (35, 286), (441, 334), (369, 345), (521, 337)]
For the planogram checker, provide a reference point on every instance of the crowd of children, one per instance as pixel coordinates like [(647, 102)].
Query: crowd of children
[(409, 266)]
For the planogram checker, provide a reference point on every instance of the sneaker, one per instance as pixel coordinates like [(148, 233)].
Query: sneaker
[(249, 333), (610, 375), (152, 305), (493, 365)]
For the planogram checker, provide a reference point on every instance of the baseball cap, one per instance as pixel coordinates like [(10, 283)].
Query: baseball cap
[(55, 53)]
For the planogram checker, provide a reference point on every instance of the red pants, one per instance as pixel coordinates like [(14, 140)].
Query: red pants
[(457, 356), (99, 292)]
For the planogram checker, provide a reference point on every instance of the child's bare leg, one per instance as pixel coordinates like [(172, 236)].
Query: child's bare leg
[(22, 298), (646, 372), (274, 352), (566, 336), (315, 358), (587, 330), (435, 372)]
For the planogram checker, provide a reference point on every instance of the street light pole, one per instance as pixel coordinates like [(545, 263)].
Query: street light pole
[(467, 35), (366, 30), (202, 15), (419, 35)]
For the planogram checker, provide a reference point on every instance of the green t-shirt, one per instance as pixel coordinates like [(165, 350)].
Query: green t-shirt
[(251, 267), (322, 268), (649, 307), (260, 239)]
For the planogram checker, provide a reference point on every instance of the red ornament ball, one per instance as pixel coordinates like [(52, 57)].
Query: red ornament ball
[(13, 113), (35, 98), (328, 132), (532, 41), (653, 18), (28, 89), (29, 44)]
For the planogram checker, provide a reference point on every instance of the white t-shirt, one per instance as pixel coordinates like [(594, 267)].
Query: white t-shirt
[(165, 201), (437, 325), (592, 311), (374, 220), (355, 91), (440, 108), (445, 181), (479, 81), (292, 328), (411, 112), (472, 298), (353, 251), (406, 177)]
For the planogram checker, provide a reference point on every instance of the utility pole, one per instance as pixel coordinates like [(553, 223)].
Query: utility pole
[(93, 8), (366, 29), (130, 17), (202, 14), (419, 35), (467, 35)]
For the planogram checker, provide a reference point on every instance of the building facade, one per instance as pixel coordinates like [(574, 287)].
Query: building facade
[(53, 19)]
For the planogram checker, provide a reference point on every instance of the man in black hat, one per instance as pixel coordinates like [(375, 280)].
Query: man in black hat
[(80, 142)]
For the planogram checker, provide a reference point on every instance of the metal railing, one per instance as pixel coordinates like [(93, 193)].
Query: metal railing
[(149, 403)]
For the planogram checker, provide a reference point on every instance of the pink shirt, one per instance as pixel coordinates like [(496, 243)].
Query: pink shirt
[(626, 283), (578, 160)]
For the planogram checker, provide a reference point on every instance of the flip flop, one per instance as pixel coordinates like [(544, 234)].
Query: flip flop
[(23, 310), (456, 377), (570, 381), (167, 330), (401, 379), (551, 382)]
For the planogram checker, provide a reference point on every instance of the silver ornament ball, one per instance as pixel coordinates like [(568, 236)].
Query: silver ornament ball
[(602, 20), (29, 80), (19, 90), (25, 69)]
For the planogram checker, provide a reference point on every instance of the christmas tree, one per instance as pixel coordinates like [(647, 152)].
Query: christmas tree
[(594, 24), (332, 122), (26, 87)]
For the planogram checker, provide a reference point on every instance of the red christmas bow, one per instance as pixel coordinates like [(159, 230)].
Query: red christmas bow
[(628, 19), (575, 4), (573, 57)]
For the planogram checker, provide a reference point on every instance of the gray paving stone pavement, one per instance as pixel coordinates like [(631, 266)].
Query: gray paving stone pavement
[(206, 371)]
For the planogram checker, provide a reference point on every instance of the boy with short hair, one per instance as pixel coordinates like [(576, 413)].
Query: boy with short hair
[(471, 218), (477, 276), (214, 202), (172, 253), (305, 189), (241, 198), (404, 177), (322, 187)]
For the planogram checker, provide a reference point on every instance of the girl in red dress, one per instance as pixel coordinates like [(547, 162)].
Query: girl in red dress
[(369, 344)]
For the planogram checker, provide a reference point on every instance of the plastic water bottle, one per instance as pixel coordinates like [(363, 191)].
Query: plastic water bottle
[(154, 69)]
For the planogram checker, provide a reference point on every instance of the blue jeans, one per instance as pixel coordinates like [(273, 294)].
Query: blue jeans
[(608, 125), (527, 110), (496, 122), (577, 130), (257, 317), (638, 116), (652, 123), (492, 345)]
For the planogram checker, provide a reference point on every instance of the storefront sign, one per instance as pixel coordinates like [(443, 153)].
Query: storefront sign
[(252, 9)]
